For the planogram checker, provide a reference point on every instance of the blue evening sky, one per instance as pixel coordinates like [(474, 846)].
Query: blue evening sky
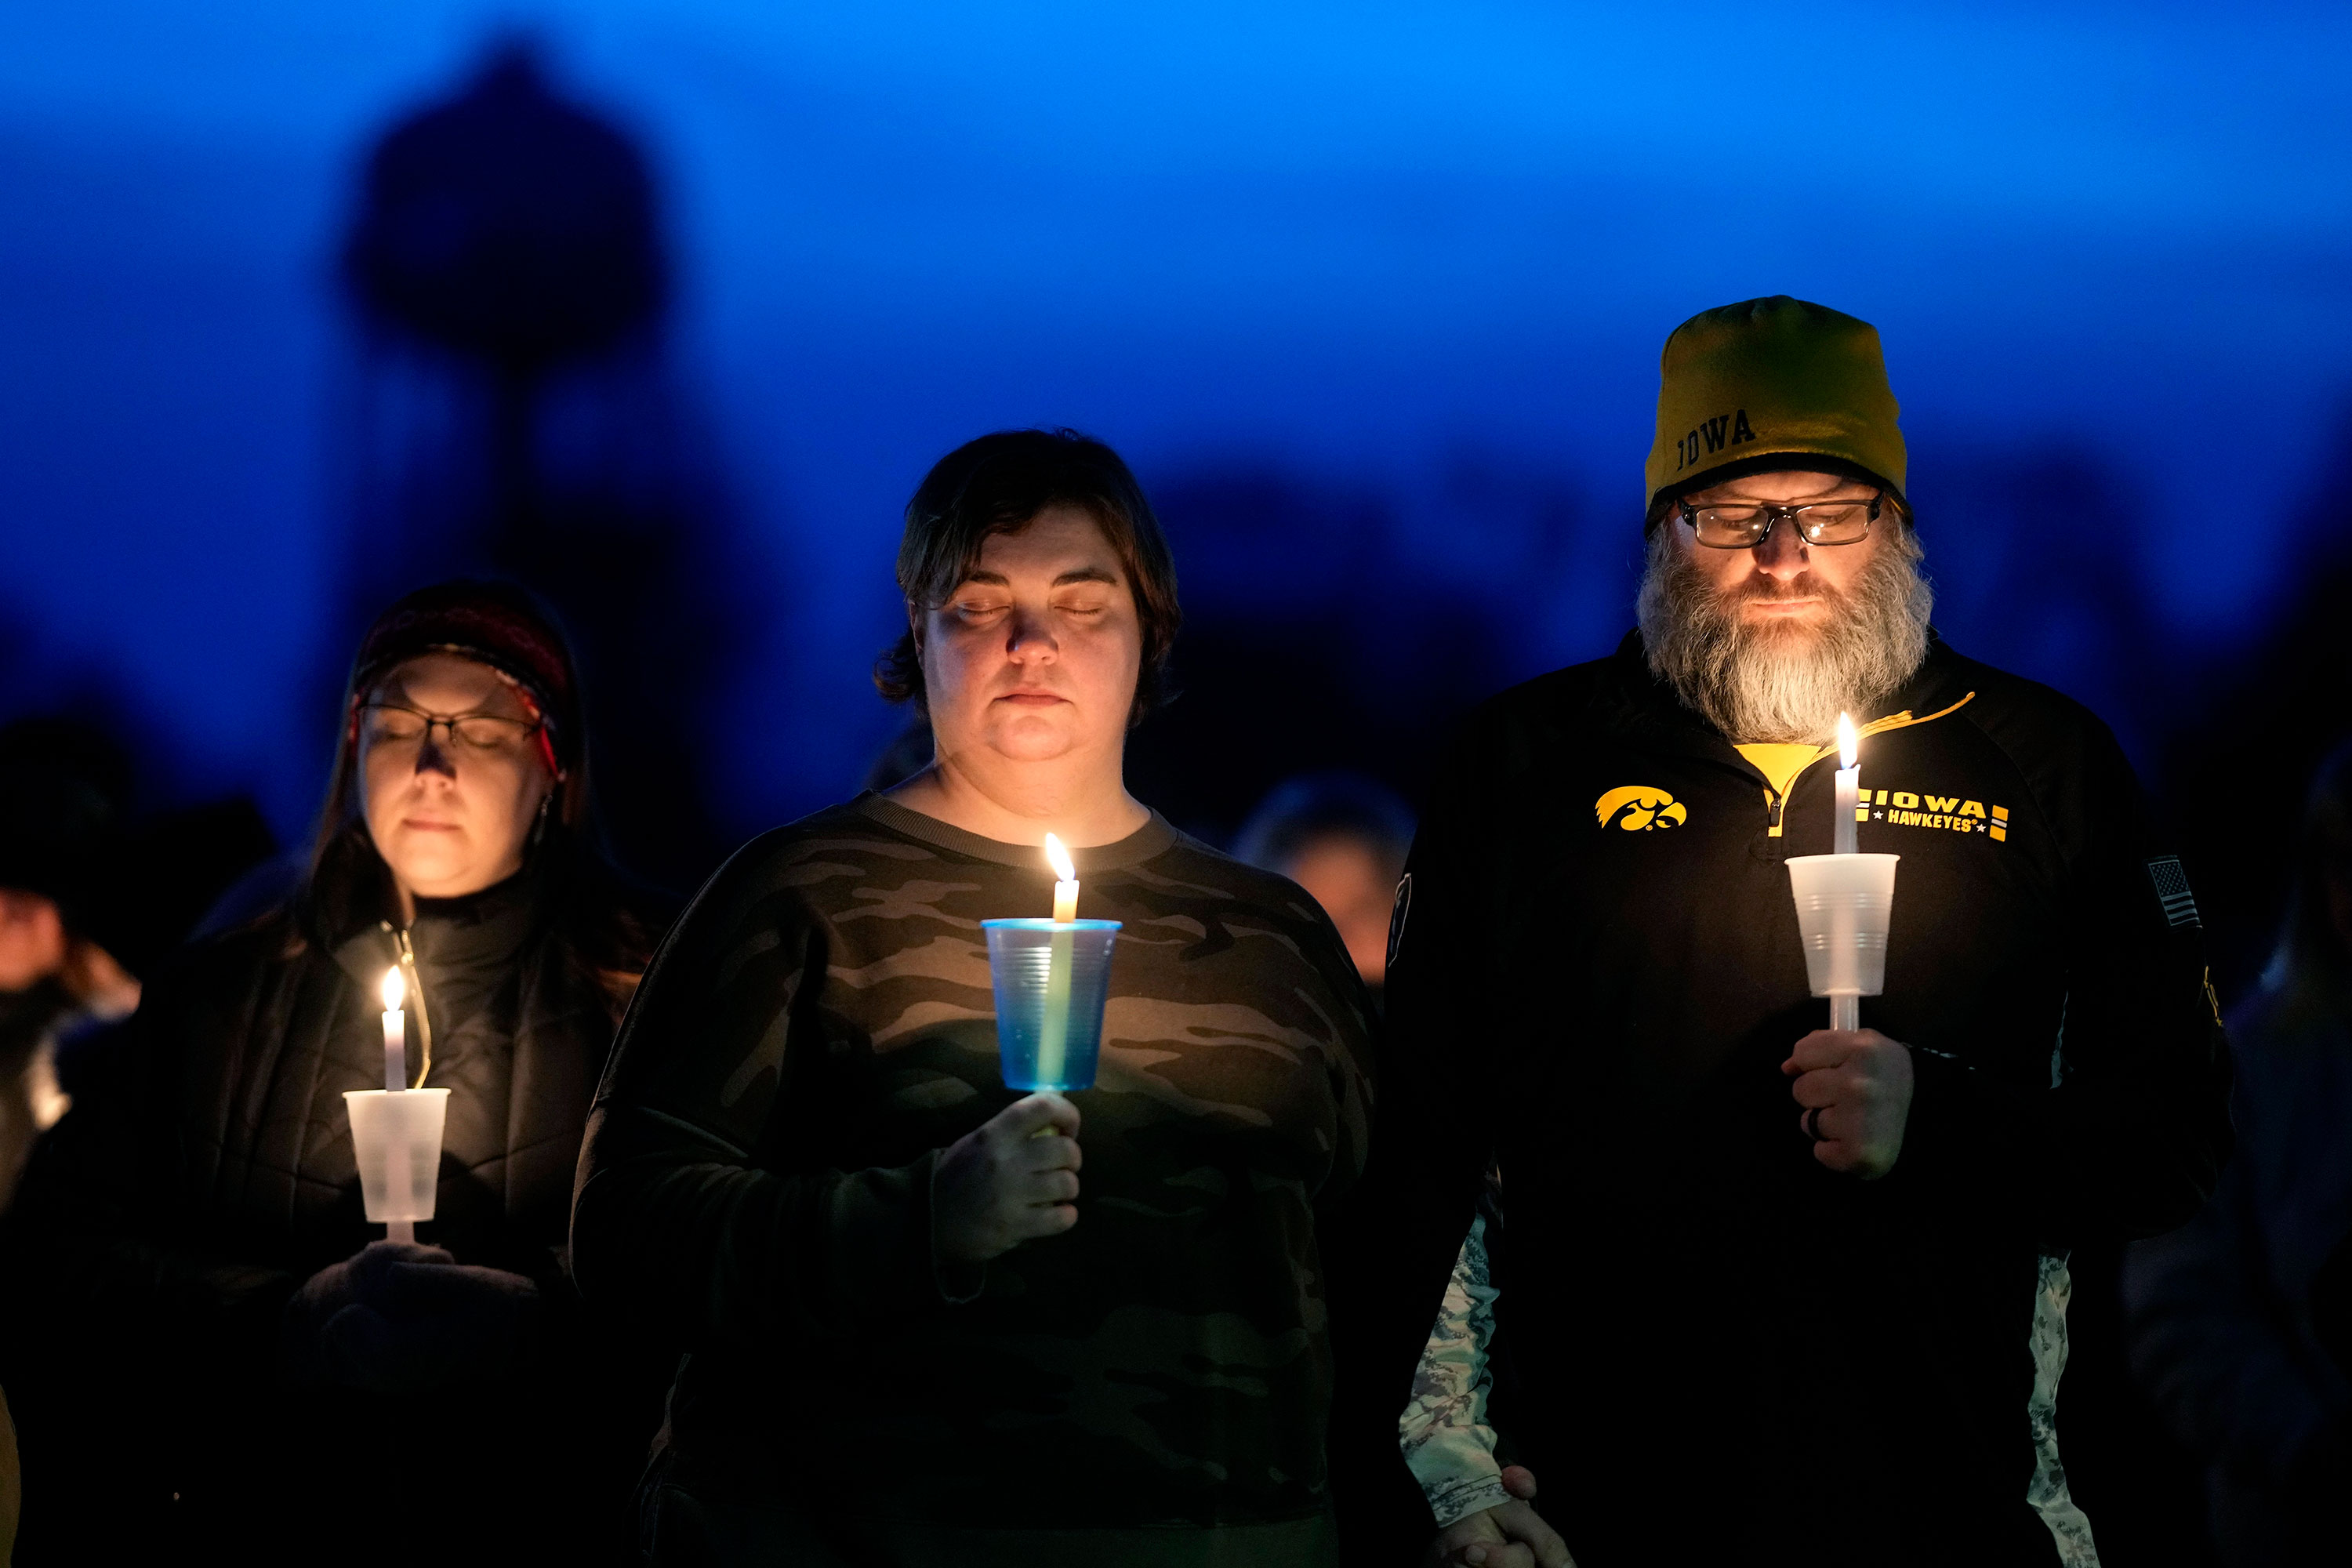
[(1343, 243)]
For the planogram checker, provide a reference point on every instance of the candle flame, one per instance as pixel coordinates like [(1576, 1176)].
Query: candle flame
[(1063, 871), (1849, 743), (395, 990)]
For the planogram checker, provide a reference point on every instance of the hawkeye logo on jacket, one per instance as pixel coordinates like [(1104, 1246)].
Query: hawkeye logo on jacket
[(1638, 808)]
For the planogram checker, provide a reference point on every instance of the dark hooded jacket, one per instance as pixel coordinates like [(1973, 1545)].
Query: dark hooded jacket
[(209, 1171), (2241, 1319)]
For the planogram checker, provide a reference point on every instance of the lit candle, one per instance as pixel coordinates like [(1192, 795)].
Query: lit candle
[(1065, 884), (397, 1174), (1846, 1012), (396, 1031), (1849, 789), (1054, 1038)]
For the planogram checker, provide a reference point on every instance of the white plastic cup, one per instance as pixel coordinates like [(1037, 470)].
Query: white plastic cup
[(398, 1139), (1844, 904)]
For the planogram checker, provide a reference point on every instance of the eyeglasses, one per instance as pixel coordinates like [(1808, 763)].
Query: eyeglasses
[(1750, 523), (389, 724)]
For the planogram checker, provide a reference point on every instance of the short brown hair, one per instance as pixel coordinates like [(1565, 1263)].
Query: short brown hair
[(998, 484)]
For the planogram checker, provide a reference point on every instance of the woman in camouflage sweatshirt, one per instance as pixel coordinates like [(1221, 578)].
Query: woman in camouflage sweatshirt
[(917, 1333)]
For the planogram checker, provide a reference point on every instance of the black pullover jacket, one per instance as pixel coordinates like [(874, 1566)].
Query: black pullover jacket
[(1723, 1350), (206, 1171)]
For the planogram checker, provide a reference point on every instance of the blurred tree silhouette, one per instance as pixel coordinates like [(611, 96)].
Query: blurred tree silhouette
[(509, 224), (513, 414)]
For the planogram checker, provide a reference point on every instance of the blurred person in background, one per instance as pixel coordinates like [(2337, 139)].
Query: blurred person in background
[(920, 1331), (57, 830), (30, 1101), (1773, 1292), (312, 1391), (2242, 1320), (61, 834), (31, 1104), (140, 878), (50, 826), (81, 891), (1343, 837)]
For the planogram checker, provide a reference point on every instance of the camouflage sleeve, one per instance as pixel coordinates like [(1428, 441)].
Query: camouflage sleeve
[(2048, 1491), (1444, 1432), (692, 1215)]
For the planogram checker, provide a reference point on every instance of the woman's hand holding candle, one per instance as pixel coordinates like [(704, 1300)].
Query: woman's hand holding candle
[(397, 1318), (1855, 1088), (1011, 1179)]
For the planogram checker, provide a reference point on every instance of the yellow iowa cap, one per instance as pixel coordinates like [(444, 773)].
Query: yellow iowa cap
[(1771, 377)]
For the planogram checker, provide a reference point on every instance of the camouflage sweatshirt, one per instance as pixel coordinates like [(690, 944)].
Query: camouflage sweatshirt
[(756, 1183)]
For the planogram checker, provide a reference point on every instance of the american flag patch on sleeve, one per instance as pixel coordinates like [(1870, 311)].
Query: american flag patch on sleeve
[(2172, 885)]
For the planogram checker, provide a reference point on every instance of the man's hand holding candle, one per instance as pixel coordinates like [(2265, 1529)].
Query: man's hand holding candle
[(1855, 1088), (1011, 1179)]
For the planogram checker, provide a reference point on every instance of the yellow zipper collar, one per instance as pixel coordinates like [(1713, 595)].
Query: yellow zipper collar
[(1902, 721)]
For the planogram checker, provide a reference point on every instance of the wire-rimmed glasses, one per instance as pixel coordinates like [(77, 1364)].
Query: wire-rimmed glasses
[(390, 724)]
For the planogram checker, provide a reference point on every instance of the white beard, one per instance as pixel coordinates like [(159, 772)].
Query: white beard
[(1781, 680)]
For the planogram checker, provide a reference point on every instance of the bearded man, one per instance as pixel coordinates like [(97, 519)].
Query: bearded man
[(1770, 1292)]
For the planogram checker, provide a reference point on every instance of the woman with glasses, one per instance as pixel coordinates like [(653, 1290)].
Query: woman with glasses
[(309, 1385)]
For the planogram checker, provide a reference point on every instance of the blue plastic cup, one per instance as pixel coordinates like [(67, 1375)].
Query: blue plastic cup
[(1052, 978)]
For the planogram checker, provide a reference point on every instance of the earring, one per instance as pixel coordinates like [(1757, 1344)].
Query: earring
[(539, 828)]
